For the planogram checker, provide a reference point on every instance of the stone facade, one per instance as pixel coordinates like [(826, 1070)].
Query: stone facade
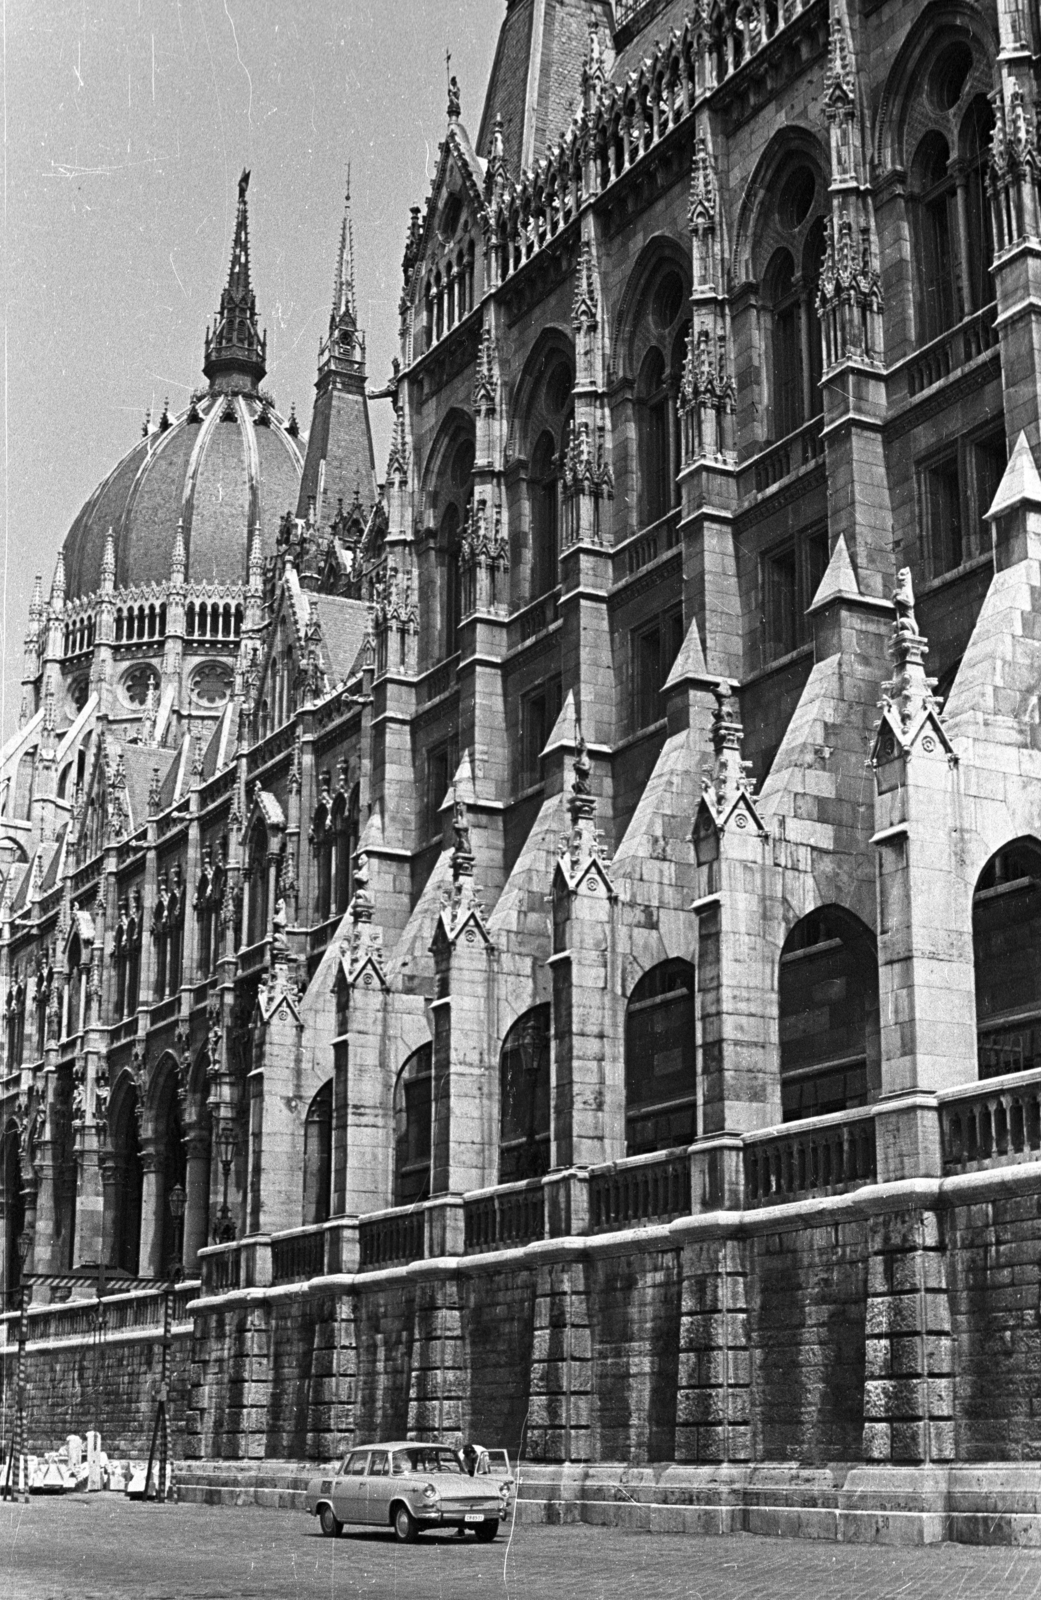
[(571, 965)]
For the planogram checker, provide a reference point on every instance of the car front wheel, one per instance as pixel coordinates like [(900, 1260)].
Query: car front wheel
[(486, 1532), (405, 1529), (330, 1524)]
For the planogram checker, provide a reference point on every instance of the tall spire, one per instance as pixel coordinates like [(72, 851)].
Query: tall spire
[(236, 350), (343, 352)]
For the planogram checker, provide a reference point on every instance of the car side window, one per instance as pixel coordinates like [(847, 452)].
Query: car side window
[(356, 1463), (378, 1464)]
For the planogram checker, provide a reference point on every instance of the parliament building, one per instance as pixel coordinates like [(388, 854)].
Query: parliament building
[(558, 913)]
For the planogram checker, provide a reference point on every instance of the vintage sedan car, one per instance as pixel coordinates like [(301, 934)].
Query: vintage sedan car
[(409, 1487)]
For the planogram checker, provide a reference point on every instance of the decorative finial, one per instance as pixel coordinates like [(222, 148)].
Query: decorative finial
[(454, 98)]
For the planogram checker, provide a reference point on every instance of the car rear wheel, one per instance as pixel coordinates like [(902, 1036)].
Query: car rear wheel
[(330, 1524), (486, 1532), (405, 1529)]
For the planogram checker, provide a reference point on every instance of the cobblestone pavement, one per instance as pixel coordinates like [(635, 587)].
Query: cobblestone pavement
[(104, 1548)]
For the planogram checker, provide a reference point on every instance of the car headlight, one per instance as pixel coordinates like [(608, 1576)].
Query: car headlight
[(430, 1494)]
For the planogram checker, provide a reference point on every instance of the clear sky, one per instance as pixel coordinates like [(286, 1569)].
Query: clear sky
[(126, 124)]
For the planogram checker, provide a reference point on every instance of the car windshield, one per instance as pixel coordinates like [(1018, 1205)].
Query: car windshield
[(425, 1459)]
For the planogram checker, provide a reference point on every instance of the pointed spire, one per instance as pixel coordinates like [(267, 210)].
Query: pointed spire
[(36, 603), (58, 585), (236, 351), (343, 282), (343, 352)]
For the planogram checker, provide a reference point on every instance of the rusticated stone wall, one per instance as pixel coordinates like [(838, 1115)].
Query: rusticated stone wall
[(111, 1385), (895, 1326)]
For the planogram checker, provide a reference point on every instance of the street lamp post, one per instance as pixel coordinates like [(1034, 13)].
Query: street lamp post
[(227, 1147), (161, 1430)]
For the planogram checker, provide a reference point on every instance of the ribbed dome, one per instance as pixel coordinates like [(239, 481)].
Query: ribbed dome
[(223, 467)]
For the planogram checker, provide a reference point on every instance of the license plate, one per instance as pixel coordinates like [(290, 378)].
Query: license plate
[(474, 1516)]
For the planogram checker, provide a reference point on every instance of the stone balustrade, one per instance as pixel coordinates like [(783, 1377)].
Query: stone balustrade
[(992, 1124), (822, 1155)]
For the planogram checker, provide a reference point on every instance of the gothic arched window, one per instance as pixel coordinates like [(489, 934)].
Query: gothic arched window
[(318, 1156), (660, 1060), (524, 1104), (936, 195), (413, 1127), (126, 1194), (976, 130), (1006, 941), (828, 1008), (545, 515), (259, 907), (653, 435)]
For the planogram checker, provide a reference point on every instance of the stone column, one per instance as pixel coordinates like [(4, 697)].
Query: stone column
[(197, 1200), (908, 1359), (925, 954), (588, 1082), (461, 1145), (149, 1262), (437, 1395), (363, 1132), (560, 1408), (713, 1402)]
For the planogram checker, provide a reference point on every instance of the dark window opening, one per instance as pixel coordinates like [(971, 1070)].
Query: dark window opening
[(524, 1107), (318, 1157), (828, 1005), (791, 576), (413, 1128), (539, 712), (1006, 937), (660, 1060), (654, 648)]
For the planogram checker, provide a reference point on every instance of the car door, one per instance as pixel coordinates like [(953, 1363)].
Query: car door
[(349, 1495), (377, 1489)]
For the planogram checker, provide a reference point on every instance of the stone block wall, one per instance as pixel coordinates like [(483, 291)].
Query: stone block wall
[(890, 1327), (108, 1385)]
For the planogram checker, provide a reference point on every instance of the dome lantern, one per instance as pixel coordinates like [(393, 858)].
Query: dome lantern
[(235, 359)]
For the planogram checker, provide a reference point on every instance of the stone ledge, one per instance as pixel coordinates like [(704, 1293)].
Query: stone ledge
[(990, 1503)]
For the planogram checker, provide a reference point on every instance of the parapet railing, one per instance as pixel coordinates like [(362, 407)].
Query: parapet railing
[(953, 349), (828, 1155), (643, 1189), (391, 1239), (788, 455), (991, 1124), (298, 1255), (510, 1215), (141, 1309)]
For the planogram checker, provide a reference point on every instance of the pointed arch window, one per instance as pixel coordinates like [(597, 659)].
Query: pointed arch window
[(413, 1127), (660, 1060), (828, 1009), (259, 908), (938, 296), (524, 1098), (653, 431), (1006, 940), (318, 1157)]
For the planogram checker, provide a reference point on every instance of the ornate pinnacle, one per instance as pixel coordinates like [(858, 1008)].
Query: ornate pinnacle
[(178, 560), (839, 83), (701, 209), (196, 759), (908, 695), (236, 351), (154, 793), (108, 564), (58, 585), (729, 775)]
